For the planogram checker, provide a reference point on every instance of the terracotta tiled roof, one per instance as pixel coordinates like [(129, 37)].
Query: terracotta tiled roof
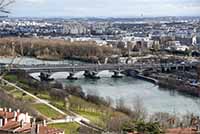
[(26, 128), (14, 126), (7, 115), (10, 125), (48, 130), (181, 131)]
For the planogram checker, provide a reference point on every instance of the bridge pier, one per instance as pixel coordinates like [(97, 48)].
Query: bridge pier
[(117, 74), (91, 75), (71, 76), (45, 76)]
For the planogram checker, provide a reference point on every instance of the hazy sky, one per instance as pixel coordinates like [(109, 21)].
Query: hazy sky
[(105, 8)]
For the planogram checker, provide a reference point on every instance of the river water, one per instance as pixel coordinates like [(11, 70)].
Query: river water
[(154, 98)]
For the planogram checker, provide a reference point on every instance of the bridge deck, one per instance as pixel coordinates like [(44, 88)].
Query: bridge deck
[(91, 67)]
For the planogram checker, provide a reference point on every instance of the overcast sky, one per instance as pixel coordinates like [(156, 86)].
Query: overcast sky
[(105, 8)]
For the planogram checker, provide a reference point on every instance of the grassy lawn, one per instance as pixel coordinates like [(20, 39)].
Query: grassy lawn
[(96, 118), (44, 96), (77, 100), (11, 78), (19, 95), (58, 104), (16, 93), (8, 88), (47, 111), (89, 110), (43, 109), (70, 128)]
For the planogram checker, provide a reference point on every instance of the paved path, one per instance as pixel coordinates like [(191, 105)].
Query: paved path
[(76, 118), (35, 97)]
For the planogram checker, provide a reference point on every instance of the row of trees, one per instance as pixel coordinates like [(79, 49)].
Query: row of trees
[(60, 93), (46, 48)]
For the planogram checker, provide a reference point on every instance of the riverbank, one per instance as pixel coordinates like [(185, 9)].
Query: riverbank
[(149, 79), (170, 82), (140, 76), (180, 85)]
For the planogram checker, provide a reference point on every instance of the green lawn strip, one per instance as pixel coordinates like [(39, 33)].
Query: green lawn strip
[(44, 96), (47, 111), (40, 94), (25, 87), (8, 88), (89, 110), (77, 100), (70, 128), (11, 78), (96, 118), (16, 93), (58, 104), (20, 95)]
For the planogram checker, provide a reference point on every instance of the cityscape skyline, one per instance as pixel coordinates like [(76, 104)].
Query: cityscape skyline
[(103, 8)]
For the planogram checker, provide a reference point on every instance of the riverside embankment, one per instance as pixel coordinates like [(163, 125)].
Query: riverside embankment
[(155, 98)]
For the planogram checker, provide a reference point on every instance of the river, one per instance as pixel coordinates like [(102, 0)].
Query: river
[(154, 98)]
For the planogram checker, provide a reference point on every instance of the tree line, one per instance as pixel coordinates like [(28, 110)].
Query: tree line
[(121, 119), (54, 49)]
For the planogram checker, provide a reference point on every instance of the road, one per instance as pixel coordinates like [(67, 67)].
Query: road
[(91, 67)]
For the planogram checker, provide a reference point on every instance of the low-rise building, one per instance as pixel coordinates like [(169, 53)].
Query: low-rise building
[(22, 123)]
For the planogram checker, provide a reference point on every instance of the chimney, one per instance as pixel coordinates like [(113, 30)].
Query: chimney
[(44, 123), (9, 110), (37, 128), (5, 121), (21, 123), (33, 122), (15, 115), (5, 109), (26, 117), (1, 122)]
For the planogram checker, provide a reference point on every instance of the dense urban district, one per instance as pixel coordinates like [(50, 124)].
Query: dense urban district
[(163, 50)]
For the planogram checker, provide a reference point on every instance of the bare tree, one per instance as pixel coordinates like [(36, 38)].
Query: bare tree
[(164, 119), (114, 124), (4, 4), (121, 107), (139, 111)]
